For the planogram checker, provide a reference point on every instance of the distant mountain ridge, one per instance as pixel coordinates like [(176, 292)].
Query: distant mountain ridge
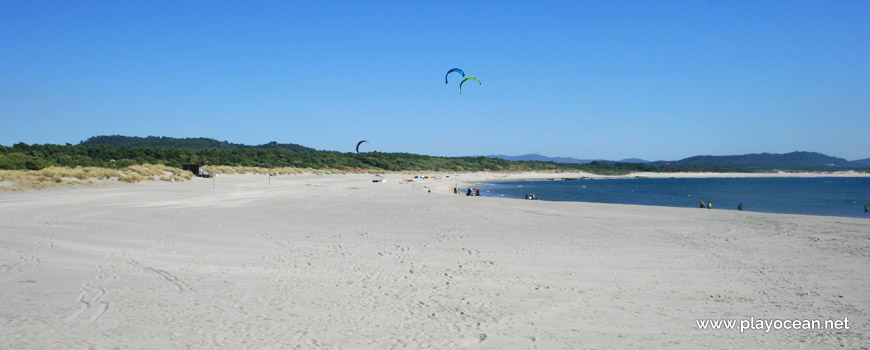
[(540, 158), (187, 142), (786, 160), (755, 160)]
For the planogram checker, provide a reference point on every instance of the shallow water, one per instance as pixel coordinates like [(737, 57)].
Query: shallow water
[(830, 196)]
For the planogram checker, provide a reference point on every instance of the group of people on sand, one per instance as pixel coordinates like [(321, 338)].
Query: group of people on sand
[(709, 205), (532, 196), (457, 190)]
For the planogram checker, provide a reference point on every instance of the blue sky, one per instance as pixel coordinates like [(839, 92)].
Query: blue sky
[(647, 79)]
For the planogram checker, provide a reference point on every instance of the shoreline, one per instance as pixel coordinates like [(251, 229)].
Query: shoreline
[(482, 180), (693, 175), (475, 178)]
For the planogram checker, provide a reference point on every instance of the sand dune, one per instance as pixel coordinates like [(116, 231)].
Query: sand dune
[(339, 262)]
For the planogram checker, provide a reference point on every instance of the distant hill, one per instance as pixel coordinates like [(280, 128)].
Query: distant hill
[(769, 160), (540, 158), (188, 142), (793, 160), (634, 160)]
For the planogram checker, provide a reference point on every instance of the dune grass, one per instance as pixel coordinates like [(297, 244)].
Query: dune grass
[(12, 180), (63, 176)]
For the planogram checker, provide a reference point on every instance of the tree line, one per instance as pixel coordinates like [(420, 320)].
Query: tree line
[(187, 142), (22, 156)]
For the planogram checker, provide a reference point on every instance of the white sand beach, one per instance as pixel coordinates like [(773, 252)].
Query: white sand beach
[(340, 262)]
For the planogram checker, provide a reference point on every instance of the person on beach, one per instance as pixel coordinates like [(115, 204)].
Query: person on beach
[(702, 206), (740, 207), (469, 192), (866, 208), (709, 205), (477, 192)]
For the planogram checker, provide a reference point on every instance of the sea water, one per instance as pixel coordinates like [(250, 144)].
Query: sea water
[(830, 196)]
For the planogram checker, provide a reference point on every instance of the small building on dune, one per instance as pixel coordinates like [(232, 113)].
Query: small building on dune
[(196, 169)]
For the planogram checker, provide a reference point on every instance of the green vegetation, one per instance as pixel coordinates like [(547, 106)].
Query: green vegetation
[(35, 157), (118, 156), (189, 142)]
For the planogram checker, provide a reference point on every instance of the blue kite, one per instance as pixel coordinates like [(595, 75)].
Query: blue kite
[(457, 70)]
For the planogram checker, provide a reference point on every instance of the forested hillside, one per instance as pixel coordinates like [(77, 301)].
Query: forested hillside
[(122, 151), (188, 142)]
